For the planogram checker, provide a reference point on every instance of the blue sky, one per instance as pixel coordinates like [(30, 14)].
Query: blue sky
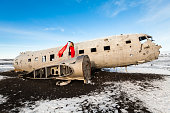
[(28, 25)]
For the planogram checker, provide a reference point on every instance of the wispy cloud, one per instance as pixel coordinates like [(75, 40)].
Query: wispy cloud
[(151, 10), (78, 1), (33, 35), (54, 29), (114, 7), (16, 45), (27, 47), (15, 31), (155, 11)]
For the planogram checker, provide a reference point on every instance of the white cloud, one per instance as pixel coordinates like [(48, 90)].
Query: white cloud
[(15, 31), (150, 10), (78, 1), (155, 11), (54, 29), (26, 34), (17, 45), (114, 7), (121, 6), (14, 40)]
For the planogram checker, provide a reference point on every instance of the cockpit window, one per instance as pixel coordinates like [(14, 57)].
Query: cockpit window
[(142, 39), (150, 37)]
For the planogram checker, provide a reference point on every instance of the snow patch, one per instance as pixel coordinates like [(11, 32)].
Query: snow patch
[(159, 66), (3, 77), (138, 69), (6, 65), (2, 99), (93, 102), (6, 68), (156, 99)]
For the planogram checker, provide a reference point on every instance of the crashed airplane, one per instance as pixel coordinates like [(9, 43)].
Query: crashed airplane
[(109, 52)]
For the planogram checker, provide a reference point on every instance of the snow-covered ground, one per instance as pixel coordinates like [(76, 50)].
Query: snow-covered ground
[(156, 99), (6, 65), (2, 99), (159, 66), (3, 77), (95, 101)]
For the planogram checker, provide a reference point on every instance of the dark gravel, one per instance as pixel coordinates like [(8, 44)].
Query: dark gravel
[(19, 90)]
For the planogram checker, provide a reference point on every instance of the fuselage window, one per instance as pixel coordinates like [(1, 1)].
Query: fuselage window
[(52, 72), (43, 58), (51, 57), (128, 41), (150, 37), (29, 60), (81, 51), (142, 39), (106, 48), (93, 50), (36, 59)]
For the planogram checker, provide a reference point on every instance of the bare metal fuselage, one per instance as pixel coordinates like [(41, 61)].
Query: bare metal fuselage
[(114, 51)]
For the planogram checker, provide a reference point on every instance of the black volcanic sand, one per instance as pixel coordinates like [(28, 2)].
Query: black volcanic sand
[(19, 90)]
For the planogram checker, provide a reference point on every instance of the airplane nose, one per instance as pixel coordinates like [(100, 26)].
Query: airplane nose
[(157, 52), (159, 46)]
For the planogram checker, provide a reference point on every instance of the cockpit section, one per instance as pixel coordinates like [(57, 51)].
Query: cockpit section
[(144, 39), (150, 37), (148, 49)]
